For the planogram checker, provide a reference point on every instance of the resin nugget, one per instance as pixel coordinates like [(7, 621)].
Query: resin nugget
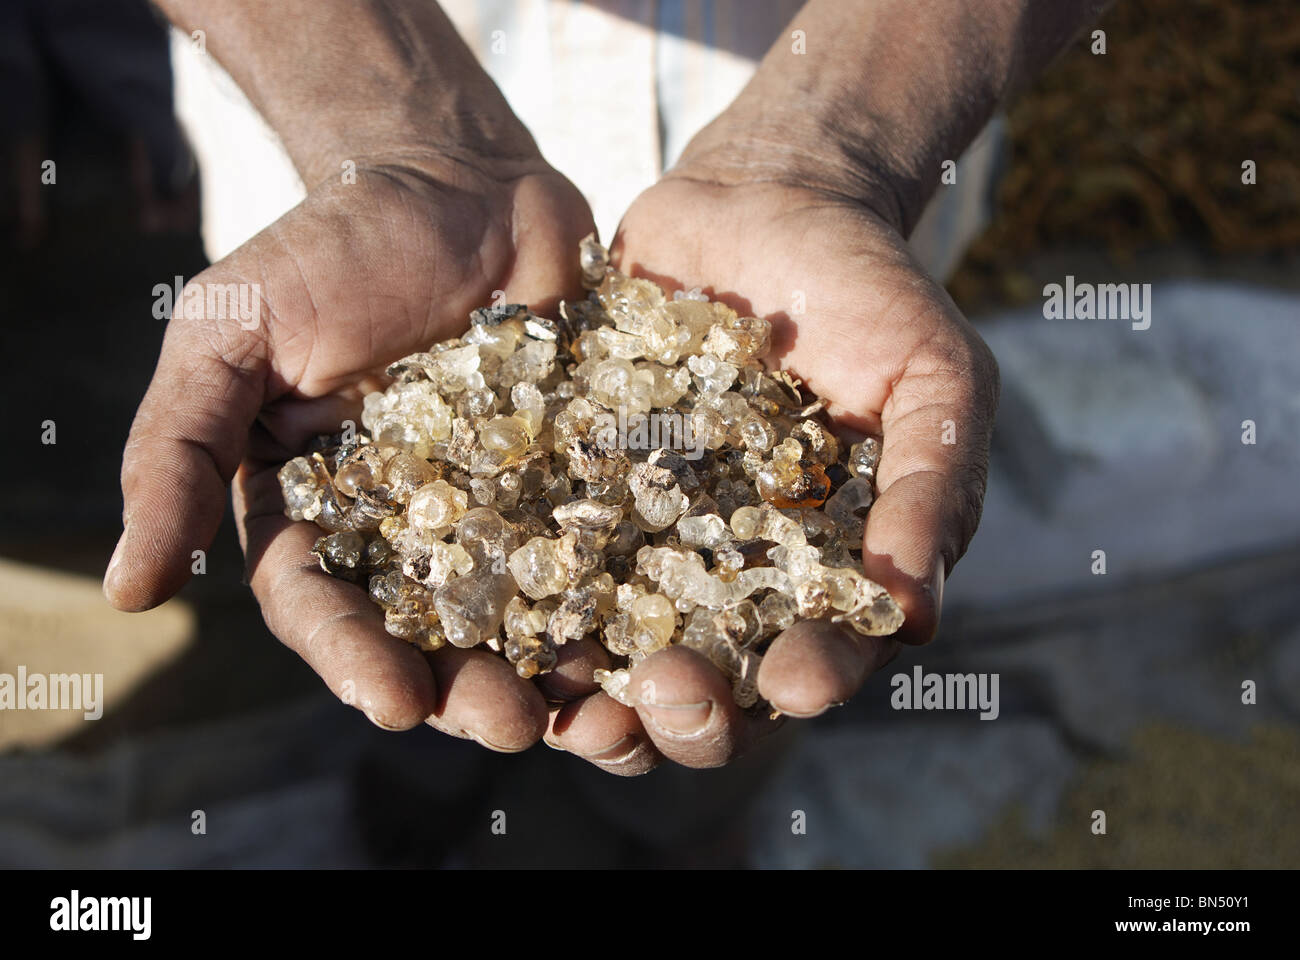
[(629, 473)]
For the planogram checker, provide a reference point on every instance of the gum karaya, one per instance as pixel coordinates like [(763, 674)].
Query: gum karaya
[(504, 493)]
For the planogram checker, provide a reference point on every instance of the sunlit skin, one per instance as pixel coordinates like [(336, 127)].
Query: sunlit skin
[(355, 277), (452, 203), (887, 348)]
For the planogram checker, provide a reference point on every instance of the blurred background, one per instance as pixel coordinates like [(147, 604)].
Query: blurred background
[(1120, 692)]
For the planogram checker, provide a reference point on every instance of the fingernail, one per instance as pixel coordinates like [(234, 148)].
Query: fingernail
[(110, 574), (680, 719), (495, 746), (381, 724), (619, 750), (800, 714), (936, 590)]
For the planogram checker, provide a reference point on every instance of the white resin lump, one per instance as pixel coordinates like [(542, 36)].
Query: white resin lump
[(629, 472)]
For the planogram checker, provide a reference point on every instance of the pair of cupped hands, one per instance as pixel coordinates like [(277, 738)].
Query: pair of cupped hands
[(363, 272)]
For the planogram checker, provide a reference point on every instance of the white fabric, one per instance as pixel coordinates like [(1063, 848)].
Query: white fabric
[(612, 90)]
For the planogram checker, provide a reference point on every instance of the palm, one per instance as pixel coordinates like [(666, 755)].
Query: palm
[(850, 308), (421, 259), (363, 273), (859, 322), (356, 276)]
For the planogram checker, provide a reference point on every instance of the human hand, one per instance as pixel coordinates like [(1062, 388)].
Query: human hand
[(426, 195), (857, 319), (793, 205), (356, 276)]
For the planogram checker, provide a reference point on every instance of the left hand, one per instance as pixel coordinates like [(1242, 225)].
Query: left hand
[(886, 346)]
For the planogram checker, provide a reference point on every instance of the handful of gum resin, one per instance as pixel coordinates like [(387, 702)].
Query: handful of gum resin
[(630, 472)]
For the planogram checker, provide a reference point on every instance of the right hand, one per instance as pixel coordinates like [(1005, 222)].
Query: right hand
[(354, 277)]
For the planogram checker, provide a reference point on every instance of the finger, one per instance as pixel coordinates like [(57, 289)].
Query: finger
[(571, 677), (468, 693), (931, 478), (185, 444), (331, 624), (605, 733), (286, 427), (689, 711), (815, 665), (216, 369), (552, 212), (480, 697)]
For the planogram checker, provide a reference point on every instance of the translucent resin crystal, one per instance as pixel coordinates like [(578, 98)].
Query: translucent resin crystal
[(629, 472)]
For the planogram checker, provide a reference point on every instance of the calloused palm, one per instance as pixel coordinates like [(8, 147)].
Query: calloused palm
[(861, 324), (354, 277)]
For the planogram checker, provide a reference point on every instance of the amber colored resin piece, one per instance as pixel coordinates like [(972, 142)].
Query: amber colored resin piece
[(628, 472)]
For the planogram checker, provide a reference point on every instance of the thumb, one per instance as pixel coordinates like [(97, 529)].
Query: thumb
[(189, 435), (933, 468)]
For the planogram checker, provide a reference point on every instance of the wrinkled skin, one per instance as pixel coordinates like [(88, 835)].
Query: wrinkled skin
[(887, 347), (353, 278), (361, 274)]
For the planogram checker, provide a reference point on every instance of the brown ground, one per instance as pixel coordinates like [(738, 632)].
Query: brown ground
[(1178, 800), (1142, 149)]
